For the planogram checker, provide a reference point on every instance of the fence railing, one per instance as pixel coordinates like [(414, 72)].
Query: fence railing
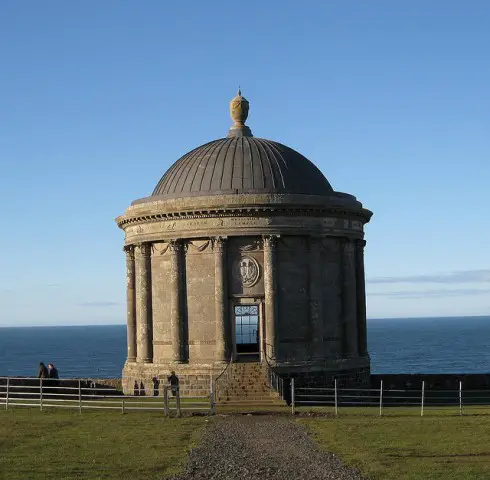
[(83, 395), (423, 400)]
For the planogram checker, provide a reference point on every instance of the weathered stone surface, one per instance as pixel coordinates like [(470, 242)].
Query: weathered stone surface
[(290, 254)]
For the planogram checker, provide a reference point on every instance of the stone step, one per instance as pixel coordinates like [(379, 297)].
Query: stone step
[(234, 391), (245, 393), (247, 384), (252, 403)]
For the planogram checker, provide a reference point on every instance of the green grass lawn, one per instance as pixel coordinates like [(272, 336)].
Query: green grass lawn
[(407, 446), (63, 445)]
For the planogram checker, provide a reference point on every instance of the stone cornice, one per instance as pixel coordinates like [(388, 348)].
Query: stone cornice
[(258, 211)]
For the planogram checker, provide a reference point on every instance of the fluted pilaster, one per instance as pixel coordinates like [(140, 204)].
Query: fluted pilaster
[(349, 300), (176, 308), (130, 303), (361, 298), (144, 322), (221, 304), (270, 287)]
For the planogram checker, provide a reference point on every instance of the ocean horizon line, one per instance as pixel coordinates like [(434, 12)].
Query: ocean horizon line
[(432, 317)]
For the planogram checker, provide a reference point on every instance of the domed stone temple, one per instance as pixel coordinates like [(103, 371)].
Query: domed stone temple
[(245, 253)]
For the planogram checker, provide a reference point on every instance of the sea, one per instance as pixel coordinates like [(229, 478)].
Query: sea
[(402, 345)]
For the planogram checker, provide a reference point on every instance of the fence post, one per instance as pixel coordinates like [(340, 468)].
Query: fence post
[(336, 398), (179, 413), (422, 401), (381, 398), (41, 394), (7, 398), (80, 396), (211, 397), (460, 397), (122, 405), (292, 397), (165, 400)]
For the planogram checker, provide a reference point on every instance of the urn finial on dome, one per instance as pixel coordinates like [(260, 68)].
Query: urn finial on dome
[(239, 112)]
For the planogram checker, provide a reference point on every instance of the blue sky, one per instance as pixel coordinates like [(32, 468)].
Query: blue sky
[(389, 99)]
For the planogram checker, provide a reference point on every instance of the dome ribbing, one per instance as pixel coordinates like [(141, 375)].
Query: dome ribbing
[(242, 165)]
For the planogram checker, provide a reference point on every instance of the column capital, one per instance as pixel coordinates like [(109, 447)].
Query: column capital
[(176, 245), (143, 249), (270, 241), (348, 245), (360, 244), (129, 251), (315, 241), (219, 243)]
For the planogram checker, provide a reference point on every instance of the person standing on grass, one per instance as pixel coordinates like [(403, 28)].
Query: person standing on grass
[(174, 382), (43, 371)]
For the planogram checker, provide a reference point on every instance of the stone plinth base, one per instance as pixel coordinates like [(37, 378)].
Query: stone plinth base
[(195, 380), (349, 373)]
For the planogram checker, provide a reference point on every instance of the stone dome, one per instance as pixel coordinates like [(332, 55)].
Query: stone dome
[(242, 164)]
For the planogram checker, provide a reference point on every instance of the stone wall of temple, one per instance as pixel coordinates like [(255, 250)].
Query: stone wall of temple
[(294, 327), (200, 308), (186, 275), (237, 249), (161, 300), (331, 296)]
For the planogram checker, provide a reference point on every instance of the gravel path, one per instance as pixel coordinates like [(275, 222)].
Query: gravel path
[(261, 447)]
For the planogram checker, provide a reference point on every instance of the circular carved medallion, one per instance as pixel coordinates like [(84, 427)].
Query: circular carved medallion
[(249, 271)]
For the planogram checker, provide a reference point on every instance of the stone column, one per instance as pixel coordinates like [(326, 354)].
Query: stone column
[(176, 317), (144, 321), (270, 253), (361, 298), (221, 297), (130, 303), (349, 300), (315, 294)]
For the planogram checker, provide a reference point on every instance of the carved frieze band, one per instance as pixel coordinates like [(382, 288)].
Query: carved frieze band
[(252, 246), (266, 211), (161, 247), (199, 245)]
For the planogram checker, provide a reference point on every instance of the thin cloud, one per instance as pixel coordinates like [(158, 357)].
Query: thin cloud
[(53, 285), (464, 276), (411, 294), (98, 304)]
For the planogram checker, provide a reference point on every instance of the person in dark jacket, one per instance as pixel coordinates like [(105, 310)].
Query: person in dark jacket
[(174, 382), (52, 371), (43, 371)]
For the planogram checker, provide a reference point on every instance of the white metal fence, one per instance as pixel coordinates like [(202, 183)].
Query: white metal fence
[(84, 395), (423, 401)]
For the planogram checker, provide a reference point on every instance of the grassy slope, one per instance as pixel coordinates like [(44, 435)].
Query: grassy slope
[(409, 447), (67, 445)]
